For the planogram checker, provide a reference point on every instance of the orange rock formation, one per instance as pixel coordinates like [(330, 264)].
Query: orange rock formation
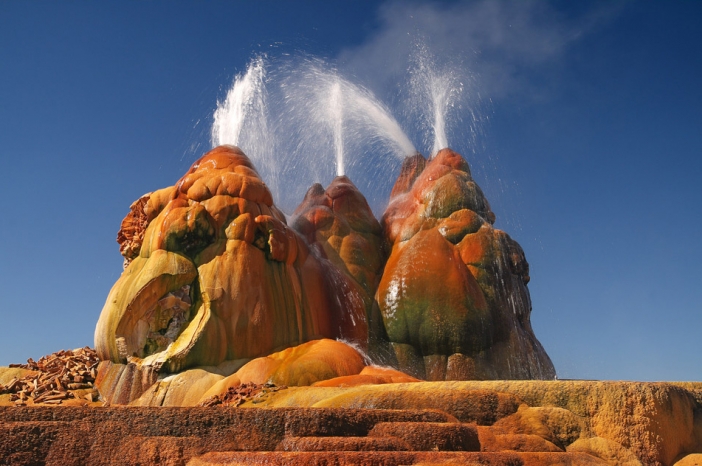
[(215, 274), (453, 295), (214, 278), (339, 225)]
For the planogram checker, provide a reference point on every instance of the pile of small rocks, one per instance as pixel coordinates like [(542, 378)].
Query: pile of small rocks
[(55, 378), (235, 396)]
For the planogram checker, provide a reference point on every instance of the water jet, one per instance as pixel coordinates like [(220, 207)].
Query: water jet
[(322, 124)]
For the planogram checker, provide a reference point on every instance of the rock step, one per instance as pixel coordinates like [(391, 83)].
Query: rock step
[(69, 436), (491, 440), (343, 444), (335, 422), (393, 458), (431, 436)]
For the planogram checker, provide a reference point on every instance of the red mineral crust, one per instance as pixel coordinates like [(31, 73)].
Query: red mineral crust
[(339, 225), (216, 275), (453, 295), (476, 422)]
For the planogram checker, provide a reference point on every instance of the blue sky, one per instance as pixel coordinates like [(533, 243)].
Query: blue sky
[(589, 149)]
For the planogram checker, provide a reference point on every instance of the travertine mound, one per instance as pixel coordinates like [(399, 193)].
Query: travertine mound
[(338, 223), (319, 362), (214, 274), (453, 296)]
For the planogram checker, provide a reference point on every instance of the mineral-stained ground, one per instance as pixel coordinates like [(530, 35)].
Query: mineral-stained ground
[(472, 422)]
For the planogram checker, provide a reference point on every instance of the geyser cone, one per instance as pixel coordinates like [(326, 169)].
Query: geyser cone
[(339, 225), (411, 168), (213, 274), (453, 295)]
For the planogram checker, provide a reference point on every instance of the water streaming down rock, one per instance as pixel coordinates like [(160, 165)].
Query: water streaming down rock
[(453, 293), (339, 226)]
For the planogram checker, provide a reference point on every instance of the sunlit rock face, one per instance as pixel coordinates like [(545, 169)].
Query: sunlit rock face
[(453, 296), (214, 274), (339, 225)]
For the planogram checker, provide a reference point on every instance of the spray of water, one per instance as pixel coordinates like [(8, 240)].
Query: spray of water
[(242, 120), (336, 120), (327, 112), (243, 99), (436, 96), (301, 121)]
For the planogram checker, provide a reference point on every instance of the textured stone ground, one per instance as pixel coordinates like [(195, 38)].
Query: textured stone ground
[(495, 423)]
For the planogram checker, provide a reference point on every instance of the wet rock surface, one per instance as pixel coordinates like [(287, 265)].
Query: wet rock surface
[(339, 225), (453, 295), (214, 274)]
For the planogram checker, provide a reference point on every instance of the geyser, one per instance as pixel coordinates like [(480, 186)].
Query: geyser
[(242, 120), (215, 275), (322, 124), (437, 93), (223, 302), (245, 103), (336, 121)]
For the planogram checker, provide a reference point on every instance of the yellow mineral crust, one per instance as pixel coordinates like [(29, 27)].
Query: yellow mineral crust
[(655, 423)]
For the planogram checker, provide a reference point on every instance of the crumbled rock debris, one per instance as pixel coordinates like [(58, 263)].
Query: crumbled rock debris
[(235, 396), (56, 377)]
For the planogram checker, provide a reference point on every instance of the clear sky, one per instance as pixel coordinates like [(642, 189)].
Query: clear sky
[(589, 150)]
